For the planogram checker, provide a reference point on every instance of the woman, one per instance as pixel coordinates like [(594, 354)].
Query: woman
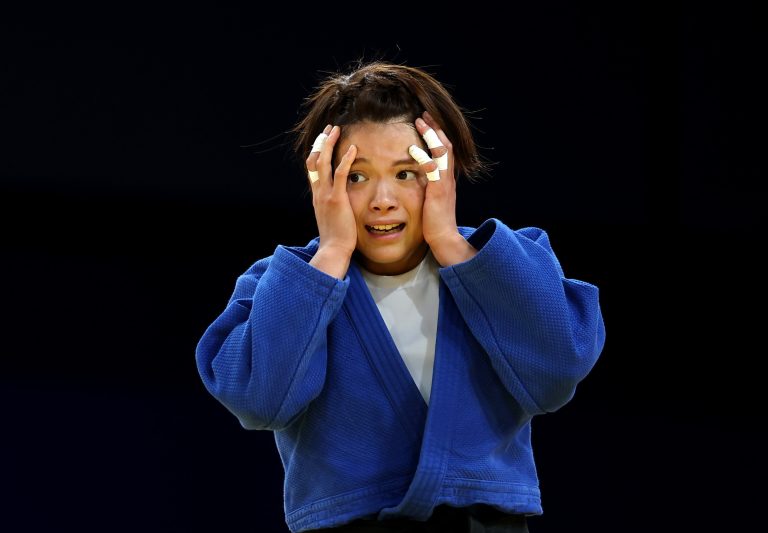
[(399, 358)]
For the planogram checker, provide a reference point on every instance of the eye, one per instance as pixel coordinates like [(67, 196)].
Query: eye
[(356, 177), (407, 175)]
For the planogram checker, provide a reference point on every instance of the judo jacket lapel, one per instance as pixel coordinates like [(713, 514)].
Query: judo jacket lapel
[(382, 354), (433, 424)]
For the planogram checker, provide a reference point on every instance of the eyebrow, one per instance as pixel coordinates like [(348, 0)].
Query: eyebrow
[(398, 163)]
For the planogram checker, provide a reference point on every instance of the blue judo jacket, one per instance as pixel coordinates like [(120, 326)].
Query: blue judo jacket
[(309, 357)]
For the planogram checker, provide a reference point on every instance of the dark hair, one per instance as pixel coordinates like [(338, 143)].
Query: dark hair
[(379, 91)]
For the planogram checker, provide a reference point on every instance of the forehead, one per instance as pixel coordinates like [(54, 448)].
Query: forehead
[(380, 139)]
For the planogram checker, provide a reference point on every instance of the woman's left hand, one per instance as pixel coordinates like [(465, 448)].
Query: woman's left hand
[(439, 212)]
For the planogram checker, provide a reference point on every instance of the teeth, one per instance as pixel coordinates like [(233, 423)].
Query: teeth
[(385, 227)]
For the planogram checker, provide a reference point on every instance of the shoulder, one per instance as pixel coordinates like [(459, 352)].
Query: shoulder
[(493, 227), (282, 253)]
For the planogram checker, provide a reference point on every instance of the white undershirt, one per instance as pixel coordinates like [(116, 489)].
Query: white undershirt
[(408, 303)]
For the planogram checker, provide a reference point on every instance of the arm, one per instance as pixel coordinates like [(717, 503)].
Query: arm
[(542, 331), (264, 357)]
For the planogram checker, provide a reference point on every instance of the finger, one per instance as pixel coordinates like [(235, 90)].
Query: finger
[(440, 135), (423, 159), (431, 123), (314, 154), (436, 146), (429, 119), (324, 159), (317, 146), (342, 171)]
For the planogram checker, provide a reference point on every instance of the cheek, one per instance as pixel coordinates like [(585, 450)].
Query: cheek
[(357, 201), (415, 201)]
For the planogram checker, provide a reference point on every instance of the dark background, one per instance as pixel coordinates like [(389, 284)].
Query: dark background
[(144, 167)]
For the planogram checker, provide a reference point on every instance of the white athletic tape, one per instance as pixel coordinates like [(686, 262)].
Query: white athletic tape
[(419, 155), (319, 143), (442, 162), (421, 158), (314, 175), (433, 141)]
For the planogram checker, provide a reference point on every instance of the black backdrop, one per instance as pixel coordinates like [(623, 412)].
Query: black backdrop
[(144, 167)]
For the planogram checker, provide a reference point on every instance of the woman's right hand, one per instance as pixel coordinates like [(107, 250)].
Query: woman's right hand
[(333, 212)]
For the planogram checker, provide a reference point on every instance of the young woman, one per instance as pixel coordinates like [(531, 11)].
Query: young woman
[(398, 357)]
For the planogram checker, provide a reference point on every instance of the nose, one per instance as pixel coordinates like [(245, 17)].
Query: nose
[(384, 196)]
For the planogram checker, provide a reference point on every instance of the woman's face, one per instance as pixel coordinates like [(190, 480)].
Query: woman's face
[(386, 188)]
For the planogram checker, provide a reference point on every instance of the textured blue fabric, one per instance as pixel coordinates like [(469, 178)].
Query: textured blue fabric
[(308, 356)]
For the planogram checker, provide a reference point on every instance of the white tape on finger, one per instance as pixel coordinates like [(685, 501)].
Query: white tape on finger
[(314, 175), (431, 138), (433, 141), (419, 155), (319, 143), (422, 158)]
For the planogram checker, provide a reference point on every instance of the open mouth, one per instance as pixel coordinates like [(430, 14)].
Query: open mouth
[(383, 229)]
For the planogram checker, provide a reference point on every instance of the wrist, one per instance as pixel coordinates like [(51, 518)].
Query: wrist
[(452, 249), (332, 260)]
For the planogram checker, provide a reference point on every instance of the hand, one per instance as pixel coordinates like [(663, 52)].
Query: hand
[(333, 212), (439, 212)]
